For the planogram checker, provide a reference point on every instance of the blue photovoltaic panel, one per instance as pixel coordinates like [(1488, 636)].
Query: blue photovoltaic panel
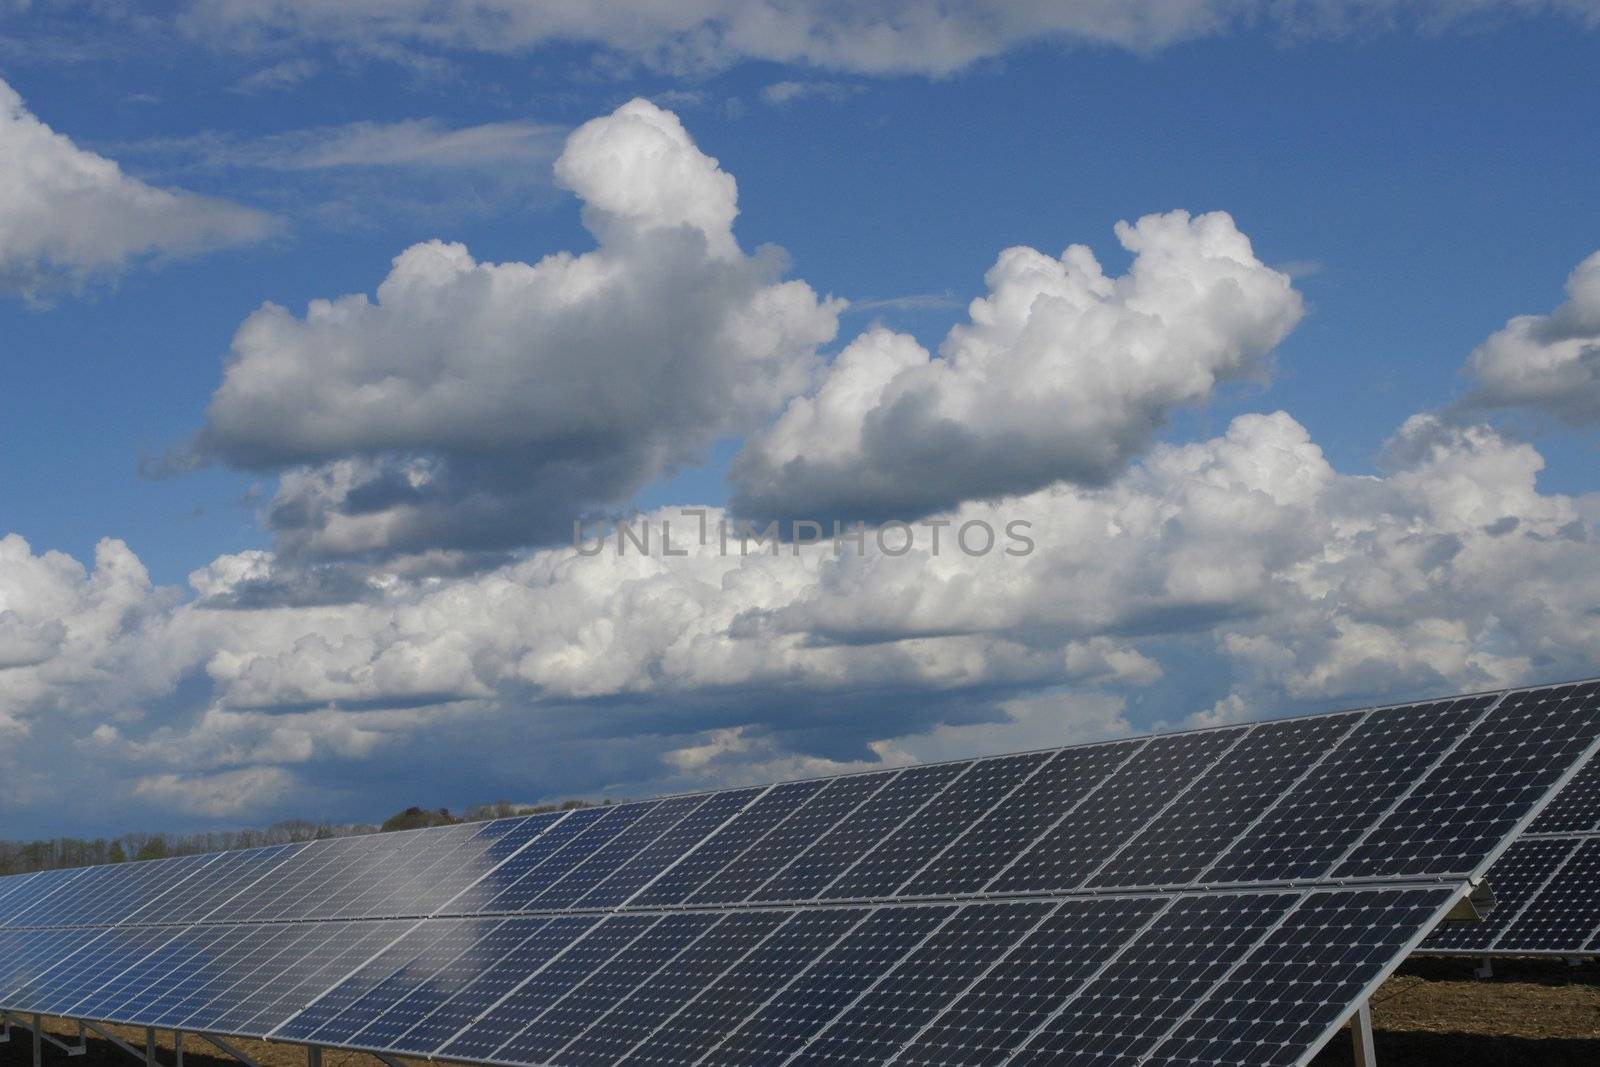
[(307, 969), (1074, 850), (1574, 810), (1204, 820), (1276, 1007), (1319, 819), (771, 853), (592, 834), (819, 992), (235, 976), (888, 1016), (498, 890), (638, 1015), (700, 865), (1121, 1013), (541, 941), (835, 852), (981, 785), (491, 943), (997, 1013), (989, 845), (1565, 916), (719, 928), (575, 962), (586, 1001), (617, 852), (631, 877), (721, 1005), (1493, 778), (1515, 877)]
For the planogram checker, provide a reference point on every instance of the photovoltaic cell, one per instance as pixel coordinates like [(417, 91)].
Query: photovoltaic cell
[(981, 785), (1300, 981), (1566, 914), (525, 895), (990, 844), (1514, 878), (1120, 1015), (1575, 809), (1325, 814), (638, 1015), (722, 1004), (491, 942), (544, 987), (618, 851), (833, 853), (671, 846), (307, 969), (1457, 815), (785, 1022), (992, 1018), (501, 889), (619, 976), (774, 851), (1206, 818), (541, 942), (1071, 853), (700, 865), (238, 976), (913, 993)]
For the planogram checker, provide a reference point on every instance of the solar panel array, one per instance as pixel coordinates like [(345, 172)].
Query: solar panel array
[(1547, 885), (1217, 897)]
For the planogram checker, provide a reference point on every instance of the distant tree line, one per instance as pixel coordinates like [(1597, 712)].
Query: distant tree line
[(19, 857)]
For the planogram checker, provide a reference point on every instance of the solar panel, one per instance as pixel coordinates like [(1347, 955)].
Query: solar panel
[(1224, 896)]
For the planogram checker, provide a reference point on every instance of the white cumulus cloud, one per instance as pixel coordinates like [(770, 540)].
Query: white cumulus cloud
[(1546, 363), (1062, 372), (67, 214), (476, 405)]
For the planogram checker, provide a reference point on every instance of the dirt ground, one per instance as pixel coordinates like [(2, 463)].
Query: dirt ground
[(1433, 1013)]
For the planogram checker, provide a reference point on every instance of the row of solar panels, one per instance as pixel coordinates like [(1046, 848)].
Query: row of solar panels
[(870, 918), (1284, 801), (1201, 977), (1547, 885)]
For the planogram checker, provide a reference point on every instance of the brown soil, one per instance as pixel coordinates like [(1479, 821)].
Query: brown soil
[(1433, 1013)]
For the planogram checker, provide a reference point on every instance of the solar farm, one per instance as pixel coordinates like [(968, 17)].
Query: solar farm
[(1226, 896)]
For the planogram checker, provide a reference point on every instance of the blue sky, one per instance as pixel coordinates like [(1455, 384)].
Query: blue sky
[(1418, 182)]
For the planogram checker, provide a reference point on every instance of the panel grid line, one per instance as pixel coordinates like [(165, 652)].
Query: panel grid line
[(1106, 964), (776, 993), (1534, 895), (1089, 878), (1416, 783), (1288, 791), (707, 836)]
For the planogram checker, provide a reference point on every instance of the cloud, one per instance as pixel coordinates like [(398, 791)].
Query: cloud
[(409, 143), (1214, 581), (789, 91), (884, 37), (1061, 373), (67, 214), (1546, 363), (283, 75), (226, 794), (476, 406)]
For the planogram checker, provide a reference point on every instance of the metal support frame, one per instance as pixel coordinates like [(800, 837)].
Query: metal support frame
[(228, 1048), (1485, 968), (1361, 1036), (313, 1056), (389, 1060), (39, 1036)]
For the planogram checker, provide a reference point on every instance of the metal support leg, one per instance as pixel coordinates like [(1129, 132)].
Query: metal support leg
[(1485, 968), (177, 1048), (225, 1046), (1361, 1036), (38, 1042), (314, 1056)]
